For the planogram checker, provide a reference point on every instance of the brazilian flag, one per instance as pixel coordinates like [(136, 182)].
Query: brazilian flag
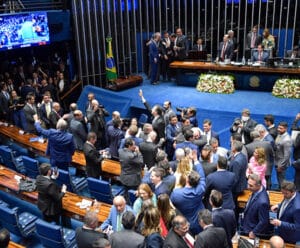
[(111, 72)]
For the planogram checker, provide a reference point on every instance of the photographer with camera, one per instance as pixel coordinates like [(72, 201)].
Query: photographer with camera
[(244, 125), (189, 113)]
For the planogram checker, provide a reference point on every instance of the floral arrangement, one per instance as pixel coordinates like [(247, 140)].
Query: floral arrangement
[(214, 83), (287, 88)]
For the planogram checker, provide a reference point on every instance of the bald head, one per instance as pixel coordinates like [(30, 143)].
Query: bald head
[(276, 242)]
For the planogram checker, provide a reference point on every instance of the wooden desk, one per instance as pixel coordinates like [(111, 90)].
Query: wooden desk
[(110, 167), (14, 245), (265, 244), (275, 198), (9, 184), (247, 77)]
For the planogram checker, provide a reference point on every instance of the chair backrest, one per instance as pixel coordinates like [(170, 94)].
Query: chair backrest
[(31, 166), (50, 235), (7, 157), (9, 219), (100, 189), (64, 178)]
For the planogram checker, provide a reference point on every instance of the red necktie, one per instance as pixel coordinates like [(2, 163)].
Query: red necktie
[(253, 40), (259, 56), (189, 244)]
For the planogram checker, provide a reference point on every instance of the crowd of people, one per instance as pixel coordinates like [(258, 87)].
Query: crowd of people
[(188, 194), (165, 48)]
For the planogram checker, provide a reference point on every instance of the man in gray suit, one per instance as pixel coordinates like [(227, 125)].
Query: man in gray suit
[(283, 145), (127, 237), (78, 129)]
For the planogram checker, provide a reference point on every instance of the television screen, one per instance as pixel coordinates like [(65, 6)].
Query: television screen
[(24, 30)]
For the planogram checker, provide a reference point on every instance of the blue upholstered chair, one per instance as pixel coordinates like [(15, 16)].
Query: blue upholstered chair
[(73, 183), (31, 166), (10, 160), (54, 236), (22, 224), (103, 191)]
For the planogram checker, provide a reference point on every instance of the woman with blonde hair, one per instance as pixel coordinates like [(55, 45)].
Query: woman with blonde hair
[(258, 164), (152, 229), (144, 193), (183, 169)]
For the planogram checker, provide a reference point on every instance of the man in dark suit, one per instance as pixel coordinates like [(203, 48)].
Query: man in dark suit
[(180, 45), (211, 236), (288, 214), (253, 38), (114, 136), (189, 138), (78, 129), (92, 157), (199, 46), (89, 232), (264, 134), (207, 124), (158, 122), (223, 181), (4, 103), (158, 185), (238, 165), (154, 57), (49, 194), (60, 146), (172, 130), (178, 236), (255, 222), (127, 237), (244, 125), (283, 145), (45, 110), (149, 149), (269, 122), (260, 55), (30, 111), (222, 217), (269, 153), (131, 165), (225, 49)]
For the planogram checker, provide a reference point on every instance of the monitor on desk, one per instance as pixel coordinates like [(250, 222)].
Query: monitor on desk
[(283, 62), (274, 62), (197, 55)]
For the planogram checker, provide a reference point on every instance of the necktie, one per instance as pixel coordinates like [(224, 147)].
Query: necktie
[(250, 200), (259, 56), (118, 222), (188, 242), (253, 40), (223, 51), (199, 47), (284, 204), (6, 95)]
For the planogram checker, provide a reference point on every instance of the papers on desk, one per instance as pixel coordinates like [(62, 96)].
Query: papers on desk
[(37, 139), (84, 204), (3, 124)]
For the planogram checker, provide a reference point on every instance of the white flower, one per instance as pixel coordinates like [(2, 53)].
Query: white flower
[(213, 83)]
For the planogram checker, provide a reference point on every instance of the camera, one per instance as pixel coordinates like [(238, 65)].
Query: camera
[(237, 122), (182, 110)]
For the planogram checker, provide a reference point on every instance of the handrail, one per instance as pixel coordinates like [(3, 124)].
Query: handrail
[(70, 90)]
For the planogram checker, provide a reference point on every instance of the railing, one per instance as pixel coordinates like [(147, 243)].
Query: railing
[(11, 6)]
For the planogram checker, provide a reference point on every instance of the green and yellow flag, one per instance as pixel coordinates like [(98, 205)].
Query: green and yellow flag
[(111, 71)]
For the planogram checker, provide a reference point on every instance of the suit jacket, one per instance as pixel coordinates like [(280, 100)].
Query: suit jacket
[(79, 133), (60, 144), (273, 131), (114, 137), (258, 40), (239, 166), (228, 51), (93, 160), (86, 237), (43, 114), (4, 105), (49, 197), (163, 188), (154, 240), (131, 166), (256, 214), (182, 44), (153, 51), (158, 124), (54, 117), (195, 47), (283, 145), (149, 151), (247, 128), (126, 238), (189, 200), (173, 240), (223, 181), (269, 152), (212, 237), (29, 113), (264, 56), (225, 218), (112, 218), (289, 229)]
